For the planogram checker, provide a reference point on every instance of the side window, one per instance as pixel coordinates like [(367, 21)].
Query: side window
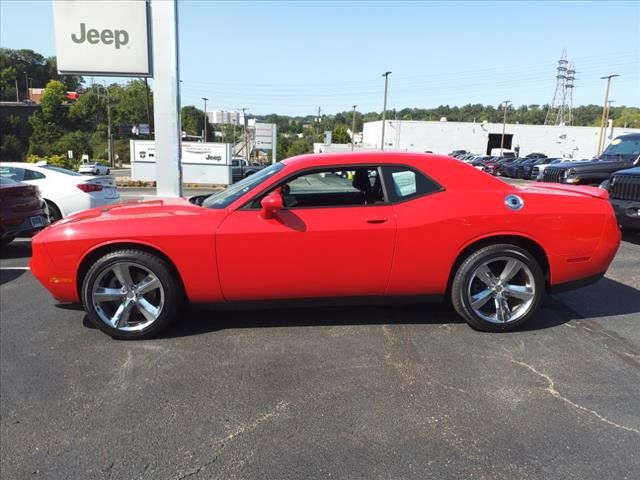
[(404, 183), (332, 188), (32, 175)]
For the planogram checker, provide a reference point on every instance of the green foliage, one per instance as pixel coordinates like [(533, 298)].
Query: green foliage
[(11, 148), (340, 135), (53, 97), (298, 147), (78, 142), (192, 121), (56, 160), (26, 65)]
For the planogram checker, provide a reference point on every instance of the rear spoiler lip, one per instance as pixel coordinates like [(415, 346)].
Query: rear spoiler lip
[(595, 192)]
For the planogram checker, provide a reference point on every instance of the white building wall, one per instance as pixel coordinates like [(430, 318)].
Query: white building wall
[(444, 137)]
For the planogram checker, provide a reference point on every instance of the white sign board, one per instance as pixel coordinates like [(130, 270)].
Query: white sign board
[(208, 163), (264, 135), (144, 151), (106, 37)]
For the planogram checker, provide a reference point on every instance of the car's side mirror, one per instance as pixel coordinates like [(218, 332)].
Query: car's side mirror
[(271, 204)]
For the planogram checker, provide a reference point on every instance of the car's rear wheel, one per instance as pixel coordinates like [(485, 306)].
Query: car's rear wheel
[(497, 288), (131, 294), (53, 211)]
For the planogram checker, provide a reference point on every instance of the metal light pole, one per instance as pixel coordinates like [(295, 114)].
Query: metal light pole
[(204, 134), (604, 111), (353, 128), (109, 136), (384, 108), (504, 124)]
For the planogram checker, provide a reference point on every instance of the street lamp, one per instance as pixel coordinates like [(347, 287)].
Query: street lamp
[(605, 112), (504, 124), (204, 135), (384, 108)]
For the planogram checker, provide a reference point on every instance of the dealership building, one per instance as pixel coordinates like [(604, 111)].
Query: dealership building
[(444, 137)]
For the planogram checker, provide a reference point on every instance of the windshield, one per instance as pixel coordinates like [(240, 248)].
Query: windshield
[(235, 191), (61, 170), (624, 146)]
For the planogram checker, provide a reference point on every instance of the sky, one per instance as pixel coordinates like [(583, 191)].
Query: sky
[(292, 57)]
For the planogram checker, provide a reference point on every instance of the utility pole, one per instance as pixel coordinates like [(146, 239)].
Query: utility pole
[(353, 128), (109, 136), (222, 125), (318, 122), (204, 134), (149, 122), (246, 135), (26, 83), (504, 124), (17, 95), (384, 108), (604, 111)]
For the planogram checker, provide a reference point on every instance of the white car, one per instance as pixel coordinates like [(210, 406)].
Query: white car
[(65, 192), (94, 168)]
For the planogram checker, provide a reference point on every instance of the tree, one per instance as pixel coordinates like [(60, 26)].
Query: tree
[(340, 135), (192, 121)]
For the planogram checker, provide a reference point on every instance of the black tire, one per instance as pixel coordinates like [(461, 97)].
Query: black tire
[(464, 275), (53, 211), (172, 289), (108, 171)]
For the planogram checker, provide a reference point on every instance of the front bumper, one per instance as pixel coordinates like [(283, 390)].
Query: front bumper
[(627, 213)]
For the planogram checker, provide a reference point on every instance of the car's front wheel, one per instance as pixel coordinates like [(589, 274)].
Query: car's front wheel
[(497, 288), (131, 294)]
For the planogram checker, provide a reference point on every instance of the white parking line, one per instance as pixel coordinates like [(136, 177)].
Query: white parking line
[(15, 268)]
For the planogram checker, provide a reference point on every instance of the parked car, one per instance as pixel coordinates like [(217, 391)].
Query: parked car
[(537, 171), (240, 168), (95, 168), (64, 191), (22, 210), (132, 265), (624, 194), (457, 153), (623, 152), (528, 167), (503, 165), (514, 167)]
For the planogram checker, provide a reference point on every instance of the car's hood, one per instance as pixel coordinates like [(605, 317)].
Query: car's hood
[(148, 209), (593, 165)]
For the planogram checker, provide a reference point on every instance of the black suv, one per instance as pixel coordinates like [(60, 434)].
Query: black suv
[(623, 152), (624, 194)]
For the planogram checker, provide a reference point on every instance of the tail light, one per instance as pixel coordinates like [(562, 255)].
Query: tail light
[(89, 187)]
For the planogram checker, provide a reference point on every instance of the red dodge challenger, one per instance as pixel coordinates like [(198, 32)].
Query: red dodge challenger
[(371, 224)]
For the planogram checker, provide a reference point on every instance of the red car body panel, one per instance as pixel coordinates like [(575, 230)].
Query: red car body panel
[(406, 248)]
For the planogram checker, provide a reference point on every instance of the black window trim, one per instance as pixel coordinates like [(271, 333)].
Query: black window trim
[(377, 166)]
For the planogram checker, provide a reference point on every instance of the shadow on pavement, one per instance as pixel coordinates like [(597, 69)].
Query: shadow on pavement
[(9, 275), (631, 237), (16, 249), (204, 321), (605, 298)]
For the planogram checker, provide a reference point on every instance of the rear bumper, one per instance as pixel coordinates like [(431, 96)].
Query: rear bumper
[(25, 228), (627, 213)]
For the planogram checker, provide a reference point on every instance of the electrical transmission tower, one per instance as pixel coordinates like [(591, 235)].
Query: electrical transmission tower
[(559, 112)]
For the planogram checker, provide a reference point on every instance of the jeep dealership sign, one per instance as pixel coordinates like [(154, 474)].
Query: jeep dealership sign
[(103, 37)]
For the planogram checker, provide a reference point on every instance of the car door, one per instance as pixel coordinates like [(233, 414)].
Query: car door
[(331, 239)]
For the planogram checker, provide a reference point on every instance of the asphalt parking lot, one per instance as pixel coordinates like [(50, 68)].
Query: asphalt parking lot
[(358, 392)]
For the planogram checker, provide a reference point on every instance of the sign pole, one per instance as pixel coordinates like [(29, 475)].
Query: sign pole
[(166, 98)]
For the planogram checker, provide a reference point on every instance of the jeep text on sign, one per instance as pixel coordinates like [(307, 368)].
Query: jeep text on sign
[(102, 37)]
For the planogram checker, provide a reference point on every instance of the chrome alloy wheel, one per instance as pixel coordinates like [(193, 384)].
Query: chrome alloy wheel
[(127, 296), (501, 290)]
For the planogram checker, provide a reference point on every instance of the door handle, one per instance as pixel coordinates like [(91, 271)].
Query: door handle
[(377, 220)]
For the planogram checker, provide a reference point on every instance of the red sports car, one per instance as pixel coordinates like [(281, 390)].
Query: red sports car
[(371, 224)]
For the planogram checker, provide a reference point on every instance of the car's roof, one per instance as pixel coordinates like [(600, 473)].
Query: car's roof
[(450, 172)]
